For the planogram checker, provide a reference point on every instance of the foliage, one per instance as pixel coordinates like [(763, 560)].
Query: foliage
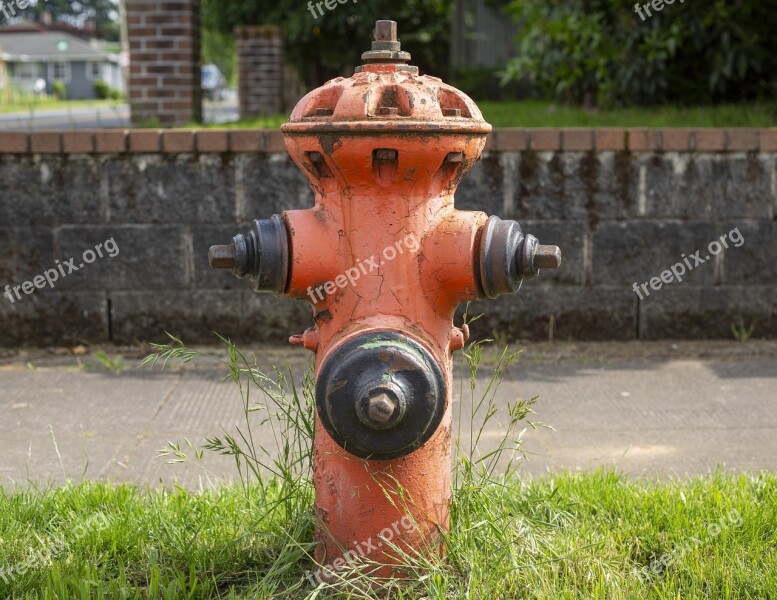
[(482, 83), (104, 13), (110, 364), (584, 535), (593, 535), (542, 113), (219, 49), (60, 90), (105, 92), (602, 52), (535, 113), (742, 332), (331, 44), (26, 102)]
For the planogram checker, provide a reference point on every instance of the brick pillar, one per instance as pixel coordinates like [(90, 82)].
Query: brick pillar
[(260, 69), (164, 77)]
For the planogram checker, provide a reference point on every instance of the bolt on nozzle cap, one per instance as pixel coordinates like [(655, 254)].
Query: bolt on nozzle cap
[(381, 409), (547, 257), (386, 47), (233, 256), (533, 256), (221, 257)]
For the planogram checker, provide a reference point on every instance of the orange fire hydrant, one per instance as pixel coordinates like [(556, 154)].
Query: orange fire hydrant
[(384, 258)]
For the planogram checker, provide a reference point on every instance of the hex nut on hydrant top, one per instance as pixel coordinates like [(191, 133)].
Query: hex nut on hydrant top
[(391, 259)]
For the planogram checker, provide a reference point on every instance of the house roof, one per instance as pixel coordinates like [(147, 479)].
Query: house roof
[(47, 46), (23, 26), (87, 31)]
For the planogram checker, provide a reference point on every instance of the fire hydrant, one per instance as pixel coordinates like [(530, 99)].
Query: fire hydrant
[(384, 258)]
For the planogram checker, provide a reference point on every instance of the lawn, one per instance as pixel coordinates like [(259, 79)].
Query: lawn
[(595, 535), (547, 114), (535, 113), (592, 535), (53, 103)]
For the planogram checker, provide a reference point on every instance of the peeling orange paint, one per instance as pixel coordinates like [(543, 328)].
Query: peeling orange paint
[(395, 145)]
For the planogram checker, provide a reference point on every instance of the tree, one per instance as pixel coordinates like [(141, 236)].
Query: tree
[(104, 13), (328, 45), (613, 52)]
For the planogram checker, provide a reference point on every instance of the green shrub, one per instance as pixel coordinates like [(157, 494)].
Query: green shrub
[(60, 90), (105, 92), (602, 52), (482, 83), (324, 46), (101, 90)]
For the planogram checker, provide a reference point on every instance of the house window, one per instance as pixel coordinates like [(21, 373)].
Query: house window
[(94, 70), (59, 71), (24, 72)]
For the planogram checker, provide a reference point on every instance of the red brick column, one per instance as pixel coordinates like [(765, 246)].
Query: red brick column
[(164, 78), (260, 69)]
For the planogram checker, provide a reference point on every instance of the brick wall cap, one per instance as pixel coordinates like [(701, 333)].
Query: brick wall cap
[(502, 139)]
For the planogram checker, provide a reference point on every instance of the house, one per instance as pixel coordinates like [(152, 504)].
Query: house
[(28, 54)]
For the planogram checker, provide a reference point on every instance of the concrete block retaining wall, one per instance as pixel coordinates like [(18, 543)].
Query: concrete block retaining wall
[(624, 205)]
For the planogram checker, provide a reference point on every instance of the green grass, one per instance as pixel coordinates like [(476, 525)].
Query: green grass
[(570, 536), (546, 114), (52, 103), (535, 113), (595, 535), (263, 122)]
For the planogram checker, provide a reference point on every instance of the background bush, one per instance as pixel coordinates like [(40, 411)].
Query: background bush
[(105, 92), (330, 45), (60, 90), (601, 52)]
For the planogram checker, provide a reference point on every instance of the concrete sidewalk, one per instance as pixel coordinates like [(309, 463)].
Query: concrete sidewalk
[(645, 408)]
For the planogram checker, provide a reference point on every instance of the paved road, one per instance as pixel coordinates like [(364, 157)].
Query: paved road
[(99, 118), (647, 409)]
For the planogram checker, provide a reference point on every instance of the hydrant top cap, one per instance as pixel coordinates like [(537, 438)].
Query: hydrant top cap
[(386, 48), (386, 94)]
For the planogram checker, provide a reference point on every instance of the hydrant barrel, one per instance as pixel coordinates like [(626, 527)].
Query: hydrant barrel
[(384, 259)]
